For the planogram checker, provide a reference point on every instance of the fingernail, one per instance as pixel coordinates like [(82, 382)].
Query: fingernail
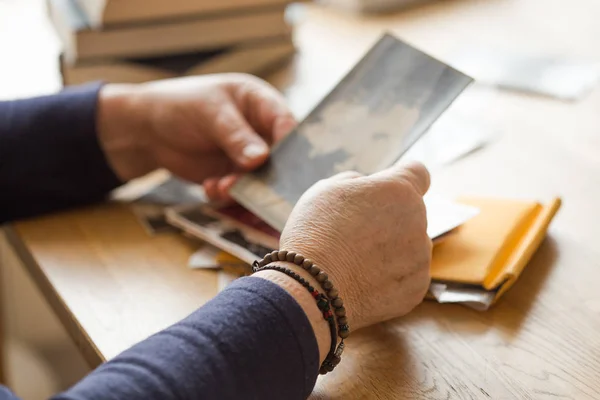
[(254, 150)]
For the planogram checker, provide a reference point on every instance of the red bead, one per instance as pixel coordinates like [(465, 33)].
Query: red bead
[(315, 294)]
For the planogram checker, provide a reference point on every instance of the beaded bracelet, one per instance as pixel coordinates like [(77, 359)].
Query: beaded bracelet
[(334, 356)]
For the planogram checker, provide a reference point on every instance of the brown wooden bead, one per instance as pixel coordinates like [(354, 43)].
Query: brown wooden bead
[(267, 259), (344, 334), (282, 255), (314, 270), (275, 255), (321, 277), (307, 263), (332, 293), (329, 367), (263, 262), (298, 260), (337, 302), (327, 285), (342, 320), (291, 255), (323, 371), (340, 312)]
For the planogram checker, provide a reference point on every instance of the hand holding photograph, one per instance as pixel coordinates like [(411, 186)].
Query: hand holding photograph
[(369, 120)]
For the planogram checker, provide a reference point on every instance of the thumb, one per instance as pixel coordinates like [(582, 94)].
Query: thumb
[(413, 172), (237, 139)]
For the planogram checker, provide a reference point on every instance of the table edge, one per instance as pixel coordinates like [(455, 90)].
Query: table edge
[(79, 336)]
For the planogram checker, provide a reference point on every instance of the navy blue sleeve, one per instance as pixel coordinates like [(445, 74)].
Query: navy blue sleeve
[(50, 157), (6, 394), (252, 341)]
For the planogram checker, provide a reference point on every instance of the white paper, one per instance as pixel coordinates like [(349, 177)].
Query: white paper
[(473, 297), (449, 141), (458, 132), (444, 215), (204, 258), (550, 76)]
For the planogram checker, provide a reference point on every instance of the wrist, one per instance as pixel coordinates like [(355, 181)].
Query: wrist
[(332, 263), (304, 299), (121, 127)]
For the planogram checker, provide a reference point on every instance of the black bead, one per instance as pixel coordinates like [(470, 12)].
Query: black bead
[(310, 288)]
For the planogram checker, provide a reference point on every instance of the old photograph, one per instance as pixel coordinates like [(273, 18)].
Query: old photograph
[(368, 121), (240, 241)]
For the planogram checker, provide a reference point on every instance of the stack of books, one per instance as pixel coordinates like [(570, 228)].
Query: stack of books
[(133, 41)]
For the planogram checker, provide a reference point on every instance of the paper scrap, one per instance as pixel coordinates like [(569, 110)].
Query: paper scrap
[(473, 297), (443, 215), (551, 76)]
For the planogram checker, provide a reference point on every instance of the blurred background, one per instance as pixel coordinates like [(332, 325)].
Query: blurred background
[(48, 44)]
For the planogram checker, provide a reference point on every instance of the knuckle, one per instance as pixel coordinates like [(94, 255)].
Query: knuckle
[(335, 197), (399, 187), (402, 192), (228, 128), (410, 190), (252, 84), (322, 184), (346, 175), (222, 119), (339, 192)]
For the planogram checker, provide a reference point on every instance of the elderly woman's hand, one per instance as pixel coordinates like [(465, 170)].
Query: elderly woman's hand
[(369, 234)]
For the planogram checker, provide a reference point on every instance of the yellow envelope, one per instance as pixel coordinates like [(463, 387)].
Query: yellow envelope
[(492, 249)]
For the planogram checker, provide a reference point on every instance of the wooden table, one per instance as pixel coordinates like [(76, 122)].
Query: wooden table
[(112, 285)]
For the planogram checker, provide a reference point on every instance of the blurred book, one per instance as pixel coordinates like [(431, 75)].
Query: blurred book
[(81, 42), (109, 12), (256, 59)]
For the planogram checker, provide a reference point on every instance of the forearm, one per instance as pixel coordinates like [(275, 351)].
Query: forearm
[(50, 157), (253, 340)]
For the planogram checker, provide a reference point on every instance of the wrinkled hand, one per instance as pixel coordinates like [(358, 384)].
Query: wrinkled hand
[(369, 234), (203, 129)]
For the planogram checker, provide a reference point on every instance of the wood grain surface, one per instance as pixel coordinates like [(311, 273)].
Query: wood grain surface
[(113, 285)]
